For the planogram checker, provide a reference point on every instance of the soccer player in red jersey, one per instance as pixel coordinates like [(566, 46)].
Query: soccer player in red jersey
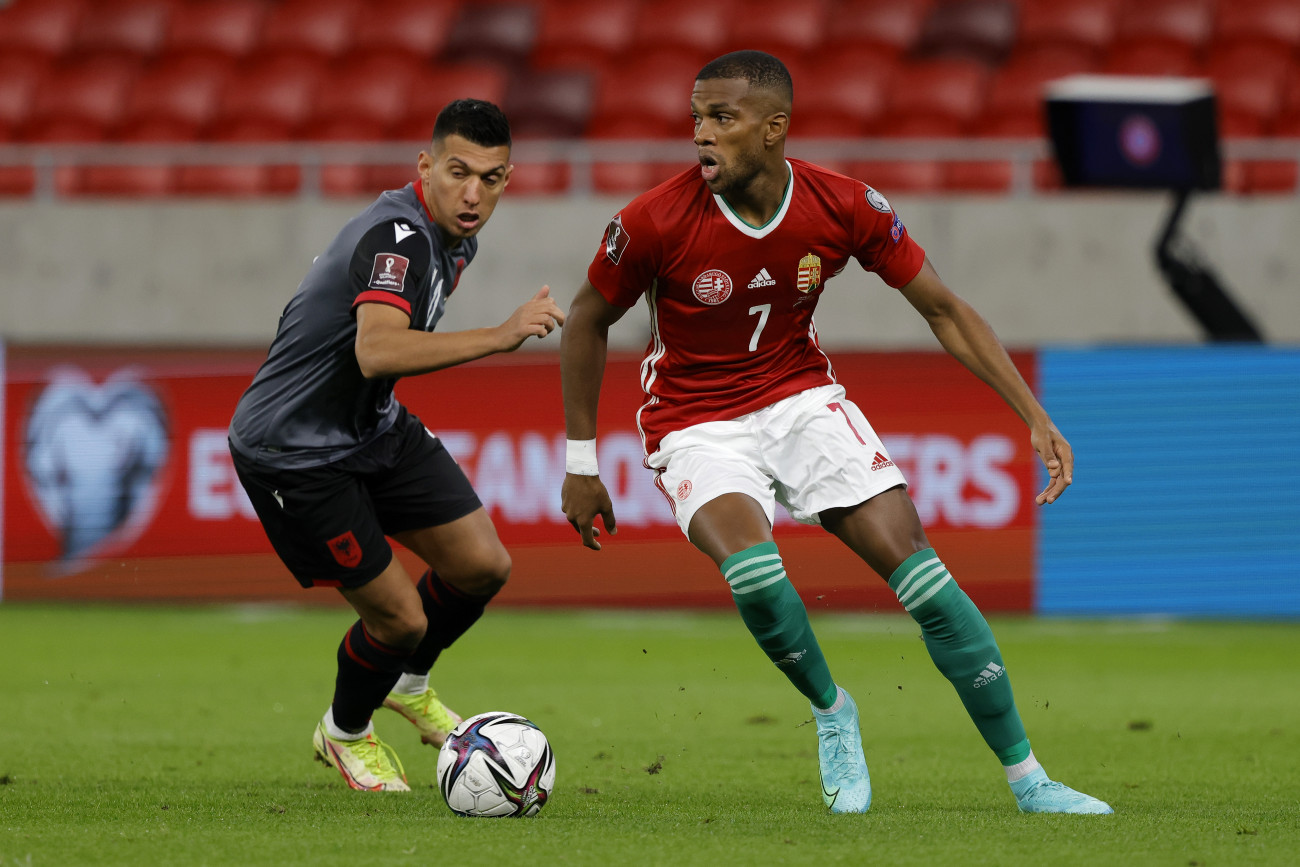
[(743, 410)]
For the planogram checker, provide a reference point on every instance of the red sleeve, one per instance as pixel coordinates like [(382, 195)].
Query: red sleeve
[(881, 242), (628, 259)]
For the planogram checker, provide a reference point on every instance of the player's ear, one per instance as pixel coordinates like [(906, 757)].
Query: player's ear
[(424, 164), (777, 125), (505, 179)]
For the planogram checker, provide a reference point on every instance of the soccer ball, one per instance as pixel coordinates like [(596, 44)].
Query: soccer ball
[(496, 764)]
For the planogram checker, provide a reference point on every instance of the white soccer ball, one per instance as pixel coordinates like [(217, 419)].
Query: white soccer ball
[(496, 764)]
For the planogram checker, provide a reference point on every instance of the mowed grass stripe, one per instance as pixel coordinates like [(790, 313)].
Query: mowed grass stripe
[(138, 735)]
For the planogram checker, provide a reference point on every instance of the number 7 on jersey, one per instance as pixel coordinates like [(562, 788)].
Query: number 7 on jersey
[(762, 310)]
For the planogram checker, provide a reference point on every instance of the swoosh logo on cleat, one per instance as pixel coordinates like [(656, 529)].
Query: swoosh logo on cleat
[(829, 796)]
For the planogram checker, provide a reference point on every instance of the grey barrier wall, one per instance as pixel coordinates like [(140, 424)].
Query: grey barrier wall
[(1061, 269)]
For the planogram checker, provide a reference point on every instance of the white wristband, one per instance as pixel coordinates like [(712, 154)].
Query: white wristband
[(580, 457)]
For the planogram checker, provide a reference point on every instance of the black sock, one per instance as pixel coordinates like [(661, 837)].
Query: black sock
[(450, 613), (368, 669)]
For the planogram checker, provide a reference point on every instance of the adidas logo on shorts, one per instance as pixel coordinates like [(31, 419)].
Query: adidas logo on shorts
[(880, 462), (762, 278)]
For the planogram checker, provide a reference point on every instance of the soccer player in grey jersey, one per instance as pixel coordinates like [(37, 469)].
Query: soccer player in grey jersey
[(334, 464)]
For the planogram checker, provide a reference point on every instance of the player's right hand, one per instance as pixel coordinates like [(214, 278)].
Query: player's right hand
[(583, 498), (536, 318)]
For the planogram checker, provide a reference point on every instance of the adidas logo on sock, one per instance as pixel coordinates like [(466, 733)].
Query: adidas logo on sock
[(991, 672), (880, 462), (791, 658), (762, 278)]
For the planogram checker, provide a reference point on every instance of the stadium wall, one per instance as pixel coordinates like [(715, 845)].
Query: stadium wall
[(117, 483), (1064, 269)]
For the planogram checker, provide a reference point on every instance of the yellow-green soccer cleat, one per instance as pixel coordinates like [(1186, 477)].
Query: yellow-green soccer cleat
[(364, 762), (433, 718)]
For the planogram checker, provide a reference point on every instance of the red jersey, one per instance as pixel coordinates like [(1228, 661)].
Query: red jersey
[(731, 305)]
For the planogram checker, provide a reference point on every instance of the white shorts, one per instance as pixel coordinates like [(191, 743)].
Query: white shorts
[(812, 451)]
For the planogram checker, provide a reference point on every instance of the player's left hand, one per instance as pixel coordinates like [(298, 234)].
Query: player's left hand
[(1057, 456)]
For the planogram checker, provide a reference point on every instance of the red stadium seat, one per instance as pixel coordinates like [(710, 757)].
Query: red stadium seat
[(276, 91), (947, 90), (44, 28), (501, 33), (1258, 22), (993, 177), (123, 181), (656, 86), (364, 98), (632, 176), (575, 34), (1153, 58), (134, 28), (432, 90), (221, 28), (875, 28), (316, 29), (539, 179), (1185, 23), (1249, 80), (1026, 123), (982, 30), (241, 181), (418, 29), (906, 176), (1271, 176), (785, 29), (1017, 88), (842, 96), (185, 91), (20, 75), (17, 181), (921, 126), (81, 101), (688, 25), (1068, 24), (550, 104)]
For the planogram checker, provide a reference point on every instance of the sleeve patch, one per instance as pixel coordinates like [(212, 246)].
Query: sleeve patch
[(389, 272), (616, 239)]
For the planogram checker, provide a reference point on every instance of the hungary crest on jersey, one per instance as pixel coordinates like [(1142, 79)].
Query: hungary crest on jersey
[(810, 273)]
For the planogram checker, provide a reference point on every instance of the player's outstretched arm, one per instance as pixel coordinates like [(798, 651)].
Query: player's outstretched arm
[(969, 339), (386, 345), (583, 349)]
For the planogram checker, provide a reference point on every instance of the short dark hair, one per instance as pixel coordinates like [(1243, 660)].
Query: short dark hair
[(759, 68), (475, 120)]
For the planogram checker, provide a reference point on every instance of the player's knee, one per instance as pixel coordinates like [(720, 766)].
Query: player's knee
[(490, 573), (405, 630)]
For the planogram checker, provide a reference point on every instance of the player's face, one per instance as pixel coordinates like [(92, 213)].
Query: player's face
[(732, 127), (462, 183)]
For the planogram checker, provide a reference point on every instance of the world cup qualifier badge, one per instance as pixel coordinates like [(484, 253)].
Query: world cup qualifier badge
[(616, 239)]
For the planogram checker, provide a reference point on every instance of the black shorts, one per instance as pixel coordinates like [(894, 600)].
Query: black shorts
[(328, 523)]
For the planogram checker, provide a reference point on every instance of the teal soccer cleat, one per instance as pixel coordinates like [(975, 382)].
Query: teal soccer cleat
[(846, 786), (1035, 793)]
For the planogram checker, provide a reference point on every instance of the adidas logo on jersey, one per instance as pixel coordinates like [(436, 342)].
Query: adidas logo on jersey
[(762, 278), (991, 672), (880, 462)]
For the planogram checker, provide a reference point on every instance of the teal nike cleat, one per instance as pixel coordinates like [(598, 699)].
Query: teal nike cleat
[(1035, 793), (846, 786)]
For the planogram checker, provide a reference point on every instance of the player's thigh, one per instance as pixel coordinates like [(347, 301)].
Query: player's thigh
[(466, 553), (824, 454), (884, 531), (320, 521), (699, 464), (729, 524)]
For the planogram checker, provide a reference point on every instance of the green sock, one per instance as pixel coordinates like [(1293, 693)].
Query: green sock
[(776, 617), (963, 649)]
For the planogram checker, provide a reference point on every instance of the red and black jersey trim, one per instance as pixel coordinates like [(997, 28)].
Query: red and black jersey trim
[(379, 296), (419, 194)]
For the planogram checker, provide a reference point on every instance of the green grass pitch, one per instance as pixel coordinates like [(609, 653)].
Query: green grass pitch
[(181, 736)]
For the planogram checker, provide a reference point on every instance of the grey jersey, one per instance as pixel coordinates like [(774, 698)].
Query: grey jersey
[(309, 404)]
